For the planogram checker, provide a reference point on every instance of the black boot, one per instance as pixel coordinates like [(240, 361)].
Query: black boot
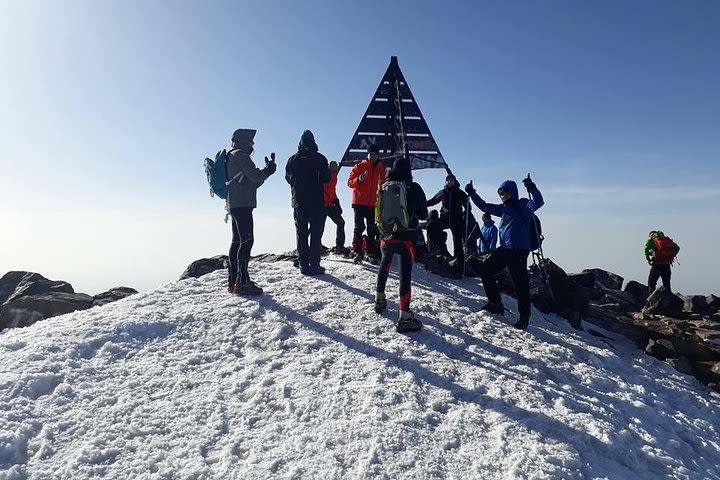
[(496, 308), (523, 323)]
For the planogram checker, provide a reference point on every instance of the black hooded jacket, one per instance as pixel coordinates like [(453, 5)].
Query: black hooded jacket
[(454, 202), (306, 172)]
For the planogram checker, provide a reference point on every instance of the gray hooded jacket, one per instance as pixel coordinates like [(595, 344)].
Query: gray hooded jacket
[(242, 192)]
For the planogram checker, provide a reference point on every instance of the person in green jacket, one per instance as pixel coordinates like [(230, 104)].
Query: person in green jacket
[(660, 252)]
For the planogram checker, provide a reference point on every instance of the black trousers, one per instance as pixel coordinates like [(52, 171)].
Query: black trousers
[(516, 263), (659, 271), (456, 226), (364, 216), (334, 213), (242, 243), (309, 223), (406, 251)]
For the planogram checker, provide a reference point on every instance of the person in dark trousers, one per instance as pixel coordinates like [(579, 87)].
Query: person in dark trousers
[(403, 245), (489, 234), (437, 239), (365, 178), (452, 215), (515, 229), (241, 200), (306, 172), (660, 252), (333, 209), (473, 234)]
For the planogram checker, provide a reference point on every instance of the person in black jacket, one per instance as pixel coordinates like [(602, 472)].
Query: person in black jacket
[(452, 215), (306, 172), (402, 244)]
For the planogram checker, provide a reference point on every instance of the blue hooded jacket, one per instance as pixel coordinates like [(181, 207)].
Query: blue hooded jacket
[(489, 232), (515, 215)]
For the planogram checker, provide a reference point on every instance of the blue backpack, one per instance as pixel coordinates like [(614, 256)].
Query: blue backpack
[(216, 172)]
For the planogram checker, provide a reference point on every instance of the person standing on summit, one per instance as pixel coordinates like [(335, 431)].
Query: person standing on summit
[(333, 210), (364, 180), (660, 252), (306, 172), (452, 215), (515, 229), (241, 200)]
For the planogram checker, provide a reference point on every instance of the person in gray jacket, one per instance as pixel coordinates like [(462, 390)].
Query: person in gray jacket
[(246, 178)]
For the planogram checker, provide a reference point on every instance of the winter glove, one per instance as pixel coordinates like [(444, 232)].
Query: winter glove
[(362, 177), (270, 164), (529, 184), (469, 189)]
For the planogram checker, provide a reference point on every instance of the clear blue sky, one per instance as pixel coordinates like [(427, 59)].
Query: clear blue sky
[(109, 108)]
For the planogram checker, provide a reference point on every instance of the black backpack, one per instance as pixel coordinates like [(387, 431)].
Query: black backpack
[(536, 236)]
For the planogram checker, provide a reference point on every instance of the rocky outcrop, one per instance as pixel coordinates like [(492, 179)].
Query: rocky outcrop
[(605, 279), (112, 295), (201, 267), (27, 297), (664, 302)]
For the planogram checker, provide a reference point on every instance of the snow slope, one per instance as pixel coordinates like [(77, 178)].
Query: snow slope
[(189, 382)]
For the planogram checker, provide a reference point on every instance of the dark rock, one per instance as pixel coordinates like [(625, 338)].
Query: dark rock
[(596, 294), (26, 310), (713, 303), (627, 301), (661, 349), (14, 285), (681, 364), (638, 290), (201, 267), (564, 297), (440, 265), (696, 304), (605, 279), (664, 302), (707, 371), (112, 295), (585, 279)]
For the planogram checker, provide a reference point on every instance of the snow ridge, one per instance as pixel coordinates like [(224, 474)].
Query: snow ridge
[(187, 381)]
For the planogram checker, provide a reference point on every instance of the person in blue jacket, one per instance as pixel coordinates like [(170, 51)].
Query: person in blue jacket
[(515, 229), (488, 233)]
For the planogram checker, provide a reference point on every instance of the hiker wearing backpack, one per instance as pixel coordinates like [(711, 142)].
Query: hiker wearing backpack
[(333, 209), (489, 233), (515, 231), (364, 180), (306, 172), (660, 252), (245, 178), (452, 215), (401, 203)]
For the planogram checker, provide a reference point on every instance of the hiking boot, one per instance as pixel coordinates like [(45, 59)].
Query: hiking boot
[(380, 302), (249, 288), (305, 269), (522, 323), (231, 287), (340, 250), (316, 270), (408, 322), (496, 308)]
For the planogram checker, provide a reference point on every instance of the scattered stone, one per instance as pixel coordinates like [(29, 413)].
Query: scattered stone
[(201, 267), (696, 304), (681, 364), (605, 279), (638, 290), (661, 349), (664, 302), (112, 295)]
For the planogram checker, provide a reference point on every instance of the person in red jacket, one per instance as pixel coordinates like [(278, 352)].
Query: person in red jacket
[(365, 179), (333, 209)]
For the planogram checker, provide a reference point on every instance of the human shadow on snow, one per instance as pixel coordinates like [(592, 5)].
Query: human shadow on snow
[(539, 422)]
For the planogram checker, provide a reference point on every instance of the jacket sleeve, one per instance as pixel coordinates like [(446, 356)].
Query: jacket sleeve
[(250, 171), (435, 200), (648, 249), (324, 171), (421, 211), (491, 208), (353, 178), (289, 171), (536, 199), (493, 237)]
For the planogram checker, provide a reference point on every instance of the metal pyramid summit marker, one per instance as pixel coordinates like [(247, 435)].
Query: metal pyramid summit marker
[(394, 123)]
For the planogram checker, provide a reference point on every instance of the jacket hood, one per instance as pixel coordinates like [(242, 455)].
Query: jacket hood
[(307, 142), (511, 187), (489, 222), (241, 139), (401, 171)]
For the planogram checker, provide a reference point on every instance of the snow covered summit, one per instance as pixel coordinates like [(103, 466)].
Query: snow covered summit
[(189, 382)]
